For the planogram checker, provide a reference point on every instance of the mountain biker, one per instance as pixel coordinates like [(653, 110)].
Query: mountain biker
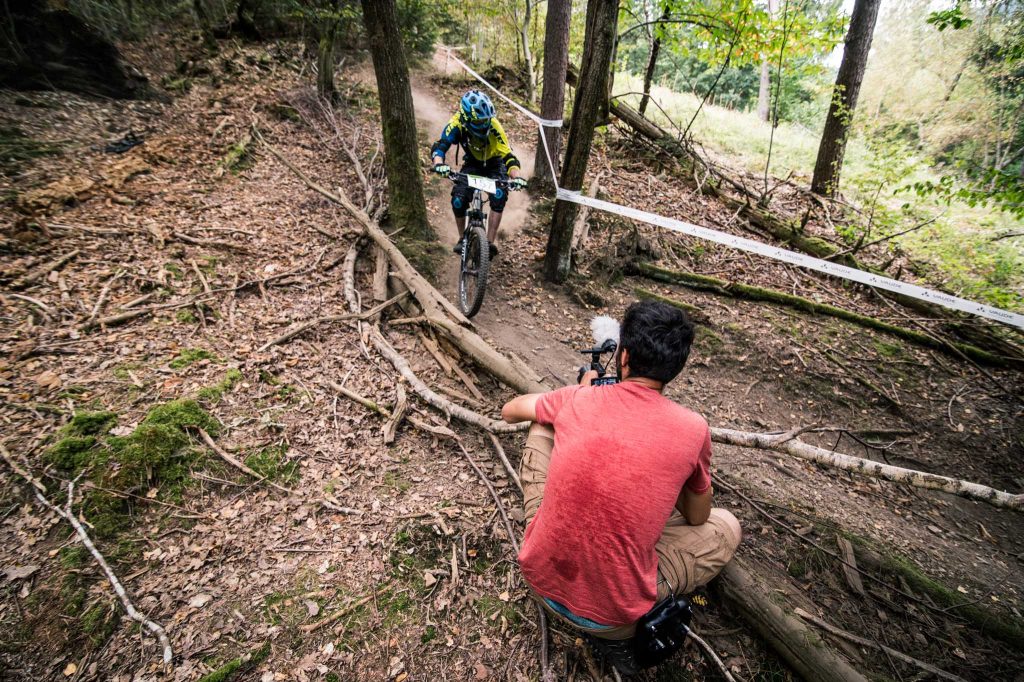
[(476, 128), (617, 486)]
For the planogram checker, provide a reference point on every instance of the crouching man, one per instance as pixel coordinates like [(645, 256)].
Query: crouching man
[(617, 486)]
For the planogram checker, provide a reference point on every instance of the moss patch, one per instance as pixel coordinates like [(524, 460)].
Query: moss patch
[(213, 394), (272, 463), (188, 356), (425, 256), (157, 453), (17, 148), (238, 666)]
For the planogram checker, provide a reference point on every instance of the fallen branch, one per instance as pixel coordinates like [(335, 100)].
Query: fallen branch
[(68, 515), (103, 298), (723, 287), (237, 464), (918, 479), (44, 270), (306, 326), (507, 464), (799, 646), (391, 425), (384, 412), (711, 654), (312, 627), (47, 313), (214, 243), (849, 636)]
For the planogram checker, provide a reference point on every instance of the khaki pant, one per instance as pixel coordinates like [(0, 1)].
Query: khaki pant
[(688, 556)]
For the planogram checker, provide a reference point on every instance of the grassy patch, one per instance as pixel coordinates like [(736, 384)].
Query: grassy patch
[(493, 609), (273, 464), (213, 394), (239, 156), (185, 316), (188, 356), (238, 666), (157, 453)]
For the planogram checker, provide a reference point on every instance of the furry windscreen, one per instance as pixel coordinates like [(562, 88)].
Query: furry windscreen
[(604, 328)]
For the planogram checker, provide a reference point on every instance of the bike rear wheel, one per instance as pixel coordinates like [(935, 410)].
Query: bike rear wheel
[(476, 263)]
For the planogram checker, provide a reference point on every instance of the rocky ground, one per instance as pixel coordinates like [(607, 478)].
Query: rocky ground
[(352, 558)]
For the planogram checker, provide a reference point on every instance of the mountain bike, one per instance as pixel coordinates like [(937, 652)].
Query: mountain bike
[(476, 251)]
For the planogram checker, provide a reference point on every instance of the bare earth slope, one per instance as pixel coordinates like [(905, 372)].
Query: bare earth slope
[(399, 544)]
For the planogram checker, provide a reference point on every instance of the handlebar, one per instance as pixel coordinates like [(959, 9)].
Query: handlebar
[(463, 179)]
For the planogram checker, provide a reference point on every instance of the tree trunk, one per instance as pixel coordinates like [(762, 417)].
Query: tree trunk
[(552, 102), (844, 98), (652, 63), (602, 16), (531, 73), (205, 24), (764, 90), (325, 62), (398, 120)]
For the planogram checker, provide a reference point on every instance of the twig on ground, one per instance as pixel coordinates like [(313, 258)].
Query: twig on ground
[(311, 627), (44, 270), (504, 460), (849, 636), (237, 464), (68, 515), (102, 299), (711, 654), (47, 313), (305, 326), (401, 405)]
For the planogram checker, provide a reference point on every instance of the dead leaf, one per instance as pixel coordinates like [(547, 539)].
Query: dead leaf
[(428, 579), (18, 572), (70, 669), (482, 673), (312, 608), (48, 379), (199, 601)]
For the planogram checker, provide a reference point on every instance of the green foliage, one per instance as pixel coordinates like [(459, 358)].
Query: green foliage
[(157, 453), (213, 394), (238, 666), (953, 18), (187, 356), (272, 463)]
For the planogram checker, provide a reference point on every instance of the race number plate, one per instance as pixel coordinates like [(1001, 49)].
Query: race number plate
[(482, 184)]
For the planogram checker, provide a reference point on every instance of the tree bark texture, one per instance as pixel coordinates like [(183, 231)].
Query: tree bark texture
[(829, 164), (552, 101), (652, 64), (325, 62), (764, 90), (797, 644), (602, 17), (398, 120)]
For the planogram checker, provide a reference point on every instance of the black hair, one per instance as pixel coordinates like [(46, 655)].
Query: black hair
[(658, 338)]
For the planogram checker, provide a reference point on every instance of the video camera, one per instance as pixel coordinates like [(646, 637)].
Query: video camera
[(606, 340)]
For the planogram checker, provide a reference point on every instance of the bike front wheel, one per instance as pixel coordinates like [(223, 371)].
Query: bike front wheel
[(476, 262)]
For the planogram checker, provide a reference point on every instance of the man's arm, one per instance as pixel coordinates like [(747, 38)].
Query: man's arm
[(521, 409), (695, 507)]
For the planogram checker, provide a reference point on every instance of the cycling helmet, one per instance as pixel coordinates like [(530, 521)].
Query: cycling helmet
[(477, 111)]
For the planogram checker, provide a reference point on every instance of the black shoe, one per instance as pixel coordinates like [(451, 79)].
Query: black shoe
[(618, 653), (494, 250), (458, 246)]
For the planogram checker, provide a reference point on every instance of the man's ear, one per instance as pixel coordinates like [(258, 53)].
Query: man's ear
[(623, 362)]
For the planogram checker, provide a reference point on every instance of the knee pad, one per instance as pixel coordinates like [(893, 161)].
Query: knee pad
[(458, 206), (498, 200)]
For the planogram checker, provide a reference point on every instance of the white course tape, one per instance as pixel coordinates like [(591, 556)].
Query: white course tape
[(751, 246), (803, 260), (549, 122)]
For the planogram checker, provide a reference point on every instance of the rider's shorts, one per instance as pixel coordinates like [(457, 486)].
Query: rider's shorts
[(463, 194)]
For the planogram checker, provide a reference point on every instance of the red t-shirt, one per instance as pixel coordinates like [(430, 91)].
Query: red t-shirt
[(621, 457)]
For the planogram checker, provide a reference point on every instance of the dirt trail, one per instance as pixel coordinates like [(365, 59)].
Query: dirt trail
[(508, 326)]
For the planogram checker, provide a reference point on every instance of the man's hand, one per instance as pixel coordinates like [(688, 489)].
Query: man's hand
[(588, 377), (517, 183), (442, 169)]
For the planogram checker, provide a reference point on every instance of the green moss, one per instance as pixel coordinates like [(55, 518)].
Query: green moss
[(185, 316), (213, 394), (175, 271), (239, 156), (99, 622), (273, 464), (491, 609), (395, 482), (73, 556), (187, 356), (157, 453), (429, 634), (425, 256), (238, 666)]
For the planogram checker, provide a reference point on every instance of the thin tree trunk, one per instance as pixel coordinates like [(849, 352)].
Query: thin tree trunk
[(552, 101), (325, 62), (844, 98), (531, 73), (398, 120), (652, 63), (764, 90), (602, 16)]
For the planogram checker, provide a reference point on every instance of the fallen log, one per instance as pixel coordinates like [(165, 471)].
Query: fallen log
[(797, 644), (789, 445), (723, 287)]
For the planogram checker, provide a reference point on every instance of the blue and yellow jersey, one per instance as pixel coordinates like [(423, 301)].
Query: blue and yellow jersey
[(484, 150)]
